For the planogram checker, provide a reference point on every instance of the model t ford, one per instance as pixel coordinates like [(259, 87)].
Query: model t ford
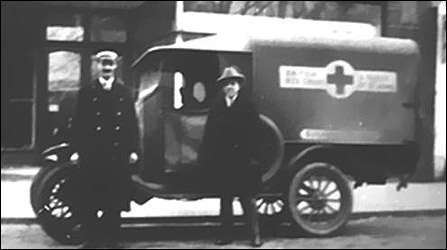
[(333, 111)]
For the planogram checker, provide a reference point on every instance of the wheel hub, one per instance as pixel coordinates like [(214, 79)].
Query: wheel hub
[(318, 201)]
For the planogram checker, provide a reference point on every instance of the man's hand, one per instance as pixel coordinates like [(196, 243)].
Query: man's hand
[(133, 158), (74, 158)]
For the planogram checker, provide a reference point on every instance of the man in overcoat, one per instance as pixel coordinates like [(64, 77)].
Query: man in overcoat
[(227, 150), (105, 139)]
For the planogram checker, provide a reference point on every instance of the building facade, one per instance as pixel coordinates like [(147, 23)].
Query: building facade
[(47, 48)]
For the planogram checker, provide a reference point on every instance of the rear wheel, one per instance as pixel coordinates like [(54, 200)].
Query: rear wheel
[(320, 199), (271, 210), (58, 212)]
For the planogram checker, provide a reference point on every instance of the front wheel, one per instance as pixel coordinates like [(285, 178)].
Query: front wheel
[(58, 213), (320, 199), (36, 186)]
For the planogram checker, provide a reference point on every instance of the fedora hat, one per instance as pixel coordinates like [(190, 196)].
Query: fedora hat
[(231, 72)]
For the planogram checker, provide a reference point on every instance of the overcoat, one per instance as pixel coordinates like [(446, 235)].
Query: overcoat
[(105, 132), (229, 144)]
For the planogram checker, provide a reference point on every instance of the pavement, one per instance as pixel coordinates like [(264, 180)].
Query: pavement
[(368, 199), (377, 232)]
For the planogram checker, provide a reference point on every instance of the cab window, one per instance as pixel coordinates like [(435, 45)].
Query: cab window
[(189, 80)]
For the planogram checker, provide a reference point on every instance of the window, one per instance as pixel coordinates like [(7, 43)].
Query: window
[(18, 100), (62, 27), (64, 71), (191, 86), (179, 83), (199, 92), (187, 96), (64, 77), (316, 10), (108, 29)]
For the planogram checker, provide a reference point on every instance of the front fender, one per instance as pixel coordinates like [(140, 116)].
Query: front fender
[(57, 153)]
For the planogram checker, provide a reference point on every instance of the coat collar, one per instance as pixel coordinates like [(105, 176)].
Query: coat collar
[(107, 84), (97, 84), (230, 102), (223, 101)]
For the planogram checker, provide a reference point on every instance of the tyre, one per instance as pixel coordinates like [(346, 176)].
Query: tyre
[(35, 186), (58, 212), (319, 199)]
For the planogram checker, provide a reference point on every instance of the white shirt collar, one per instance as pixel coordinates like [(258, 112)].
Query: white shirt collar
[(229, 101), (107, 84)]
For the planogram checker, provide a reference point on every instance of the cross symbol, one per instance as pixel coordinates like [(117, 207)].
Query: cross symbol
[(340, 79)]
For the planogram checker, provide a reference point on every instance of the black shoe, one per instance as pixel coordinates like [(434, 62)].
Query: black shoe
[(224, 241), (256, 241)]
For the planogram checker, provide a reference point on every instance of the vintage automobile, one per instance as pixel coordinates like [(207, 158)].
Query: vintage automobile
[(335, 113)]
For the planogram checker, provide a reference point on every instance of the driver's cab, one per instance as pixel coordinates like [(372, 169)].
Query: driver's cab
[(176, 89)]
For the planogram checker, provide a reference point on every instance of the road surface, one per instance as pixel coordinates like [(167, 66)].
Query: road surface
[(375, 232)]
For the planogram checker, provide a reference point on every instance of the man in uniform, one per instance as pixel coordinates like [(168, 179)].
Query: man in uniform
[(227, 150), (105, 139)]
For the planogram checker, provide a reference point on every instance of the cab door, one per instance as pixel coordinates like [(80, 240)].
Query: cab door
[(189, 88)]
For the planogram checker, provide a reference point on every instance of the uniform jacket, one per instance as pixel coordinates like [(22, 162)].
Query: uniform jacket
[(105, 122), (105, 132)]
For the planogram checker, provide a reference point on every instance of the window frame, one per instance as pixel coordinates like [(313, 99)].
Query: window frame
[(86, 48), (33, 99)]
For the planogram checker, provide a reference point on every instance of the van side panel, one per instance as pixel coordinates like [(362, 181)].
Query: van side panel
[(337, 94)]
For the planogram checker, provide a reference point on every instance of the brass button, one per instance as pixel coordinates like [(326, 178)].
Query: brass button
[(98, 128), (118, 113), (117, 128)]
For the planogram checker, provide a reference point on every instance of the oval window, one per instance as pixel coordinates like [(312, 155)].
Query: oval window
[(199, 92)]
